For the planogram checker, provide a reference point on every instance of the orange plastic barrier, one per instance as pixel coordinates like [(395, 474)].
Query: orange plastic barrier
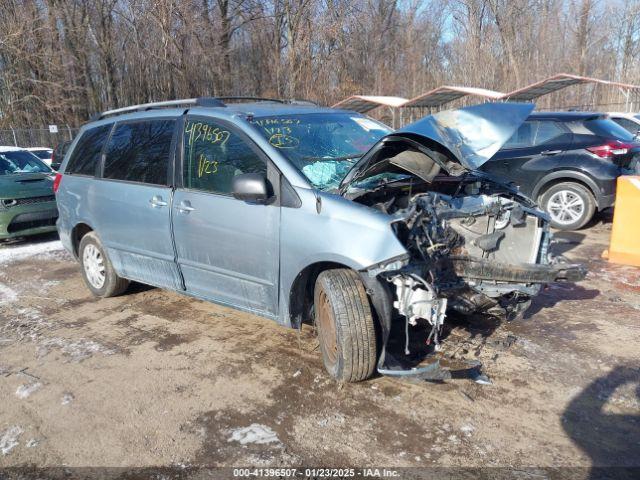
[(625, 234)]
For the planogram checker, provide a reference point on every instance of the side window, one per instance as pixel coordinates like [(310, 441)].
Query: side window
[(86, 154), (523, 136), (547, 132), (534, 133), (213, 155), (140, 152)]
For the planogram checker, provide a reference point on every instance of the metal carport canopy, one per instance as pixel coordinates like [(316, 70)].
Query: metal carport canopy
[(445, 94), (364, 103), (558, 82)]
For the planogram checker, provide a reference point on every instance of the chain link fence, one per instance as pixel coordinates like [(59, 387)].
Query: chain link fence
[(36, 137)]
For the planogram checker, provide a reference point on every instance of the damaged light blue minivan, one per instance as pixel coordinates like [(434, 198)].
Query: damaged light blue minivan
[(306, 214)]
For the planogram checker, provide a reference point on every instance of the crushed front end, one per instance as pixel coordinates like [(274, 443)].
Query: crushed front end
[(470, 252), (474, 244)]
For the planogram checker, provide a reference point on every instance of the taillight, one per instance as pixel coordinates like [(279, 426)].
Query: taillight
[(611, 149), (56, 182)]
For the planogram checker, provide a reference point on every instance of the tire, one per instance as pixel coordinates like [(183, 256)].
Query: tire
[(345, 325), (97, 271), (570, 205)]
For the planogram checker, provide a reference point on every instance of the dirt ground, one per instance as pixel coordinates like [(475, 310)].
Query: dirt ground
[(153, 378)]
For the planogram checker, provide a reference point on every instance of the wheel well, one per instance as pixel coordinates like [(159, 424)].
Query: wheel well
[(301, 296), (79, 231), (556, 181)]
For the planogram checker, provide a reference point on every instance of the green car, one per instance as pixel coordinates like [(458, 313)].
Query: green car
[(27, 202)]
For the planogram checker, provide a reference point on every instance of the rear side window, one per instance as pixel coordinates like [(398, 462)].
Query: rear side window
[(627, 124), (86, 154), (605, 127), (213, 155), (547, 132), (534, 133), (140, 152)]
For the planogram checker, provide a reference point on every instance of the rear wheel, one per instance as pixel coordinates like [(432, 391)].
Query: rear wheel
[(345, 325), (570, 205), (97, 271)]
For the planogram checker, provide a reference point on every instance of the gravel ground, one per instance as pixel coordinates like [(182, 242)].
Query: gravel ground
[(153, 378)]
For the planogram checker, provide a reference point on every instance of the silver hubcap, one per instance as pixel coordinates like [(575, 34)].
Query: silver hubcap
[(93, 264), (565, 207)]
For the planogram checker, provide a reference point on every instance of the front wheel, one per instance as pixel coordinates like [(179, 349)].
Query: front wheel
[(570, 205), (97, 271), (345, 325)]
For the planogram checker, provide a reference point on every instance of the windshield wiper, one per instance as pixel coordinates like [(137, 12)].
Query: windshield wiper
[(332, 159)]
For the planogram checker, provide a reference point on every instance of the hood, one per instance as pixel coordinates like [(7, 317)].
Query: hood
[(22, 185), (470, 136)]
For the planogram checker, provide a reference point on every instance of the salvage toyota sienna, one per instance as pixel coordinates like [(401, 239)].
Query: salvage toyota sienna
[(306, 214)]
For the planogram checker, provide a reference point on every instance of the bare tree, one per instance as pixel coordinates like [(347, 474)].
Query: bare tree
[(62, 60)]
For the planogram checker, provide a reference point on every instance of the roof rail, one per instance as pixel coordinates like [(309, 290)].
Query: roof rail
[(250, 99), (291, 101), (197, 102)]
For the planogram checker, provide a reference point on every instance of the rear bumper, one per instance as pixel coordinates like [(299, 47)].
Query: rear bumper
[(479, 269), (30, 219)]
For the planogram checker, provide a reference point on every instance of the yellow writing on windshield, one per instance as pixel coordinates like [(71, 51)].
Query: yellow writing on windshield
[(263, 122), (281, 137)]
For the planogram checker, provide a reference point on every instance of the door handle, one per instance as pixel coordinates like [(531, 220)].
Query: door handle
[(550, 152), (185, 207), (157, 202)]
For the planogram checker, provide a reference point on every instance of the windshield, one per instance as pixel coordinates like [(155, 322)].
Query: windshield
[(19, 161), (323, 146), (41, 154), (608, 128)]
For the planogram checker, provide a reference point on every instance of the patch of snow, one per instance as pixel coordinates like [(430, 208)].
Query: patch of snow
[(30, 324), (32, 443), (26, 324), (9, 439), (254, 433), (297, 373), (67, 398), (27, 389), (78, 350), (467, 429), (10, 254), (7, 295)]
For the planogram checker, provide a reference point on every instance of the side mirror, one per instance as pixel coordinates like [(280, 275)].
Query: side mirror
[(251, 187)]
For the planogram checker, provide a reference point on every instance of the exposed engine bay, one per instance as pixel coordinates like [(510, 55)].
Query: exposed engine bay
[(474, 244)]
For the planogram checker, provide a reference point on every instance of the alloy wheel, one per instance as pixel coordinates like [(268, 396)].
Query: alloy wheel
[(565, 207)]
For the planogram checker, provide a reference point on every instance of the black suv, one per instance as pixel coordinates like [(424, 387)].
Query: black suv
[(568, 162)]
